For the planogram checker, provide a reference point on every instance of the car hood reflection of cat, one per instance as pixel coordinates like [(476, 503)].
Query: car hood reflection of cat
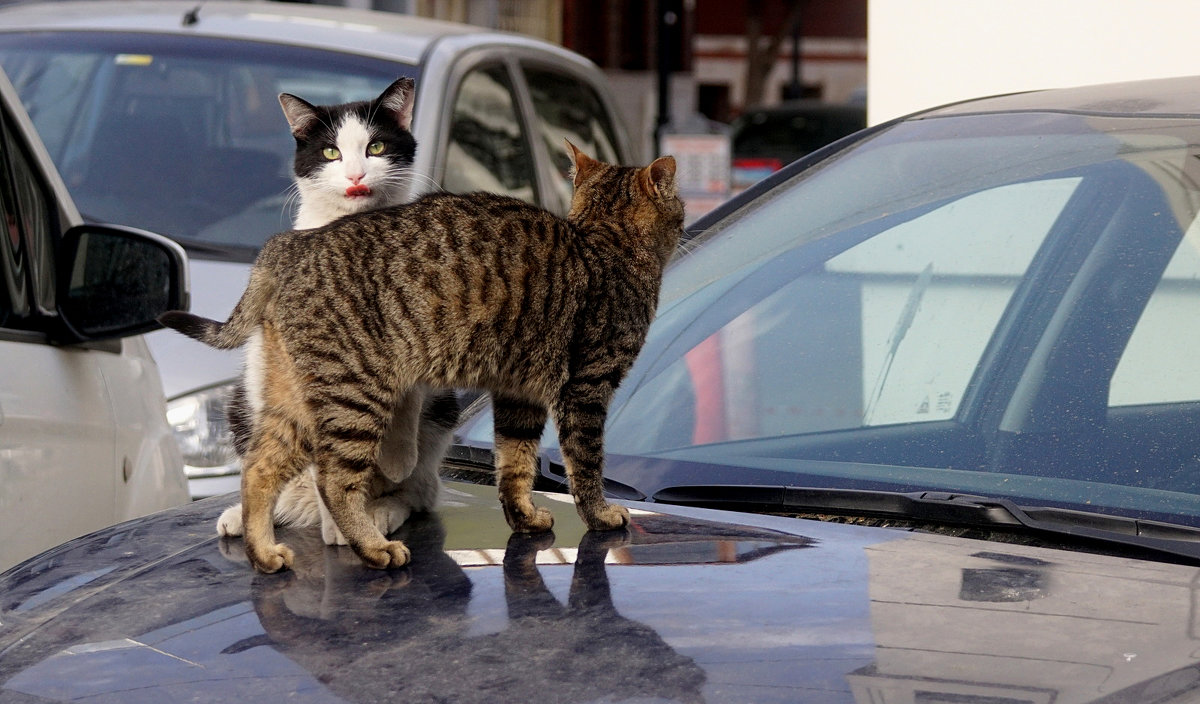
[(351, 157)]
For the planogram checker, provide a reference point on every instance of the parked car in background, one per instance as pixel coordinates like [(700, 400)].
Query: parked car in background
[(765, 139), (165, 116), (969, 334), (83, 439)]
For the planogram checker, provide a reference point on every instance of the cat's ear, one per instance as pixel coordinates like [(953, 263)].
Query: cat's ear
[(300, 114), (398, 100), (581, 163), (658, 179)]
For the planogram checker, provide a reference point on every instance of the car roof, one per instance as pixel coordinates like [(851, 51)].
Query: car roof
[(1172, 97), (807, 106), (383, 34)]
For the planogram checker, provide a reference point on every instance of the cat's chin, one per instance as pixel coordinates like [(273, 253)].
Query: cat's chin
[(357, 203)]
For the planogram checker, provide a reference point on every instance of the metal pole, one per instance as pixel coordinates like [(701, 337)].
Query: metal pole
[(667, 19)]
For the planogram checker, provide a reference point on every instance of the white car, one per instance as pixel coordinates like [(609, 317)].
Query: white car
[(163, 115), (83, 439)]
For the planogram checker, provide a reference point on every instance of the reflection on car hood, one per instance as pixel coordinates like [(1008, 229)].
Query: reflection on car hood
[(688, 605)]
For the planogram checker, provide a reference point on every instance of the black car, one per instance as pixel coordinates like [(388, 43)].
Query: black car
[(941, 375), (765, 139)]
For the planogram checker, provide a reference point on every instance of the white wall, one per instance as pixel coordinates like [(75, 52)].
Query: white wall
[(923, 53)]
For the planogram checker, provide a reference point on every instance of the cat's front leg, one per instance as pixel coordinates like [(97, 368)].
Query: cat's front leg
[(518, 429), (349, 432), (580, 416), (344, 473)]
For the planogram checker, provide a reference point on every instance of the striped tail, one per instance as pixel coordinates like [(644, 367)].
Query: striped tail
[(243, 321)]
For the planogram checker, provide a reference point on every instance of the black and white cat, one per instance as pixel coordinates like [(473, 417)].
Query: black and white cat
[(350, 158)]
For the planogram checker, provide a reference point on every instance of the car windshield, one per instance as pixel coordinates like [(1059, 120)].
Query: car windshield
[(176, 134), (1001, 305)]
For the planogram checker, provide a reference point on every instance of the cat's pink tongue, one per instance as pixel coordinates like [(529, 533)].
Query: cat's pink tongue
[(358, 190)]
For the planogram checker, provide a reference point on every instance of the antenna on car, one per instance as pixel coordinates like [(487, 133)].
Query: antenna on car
[(191, 17)]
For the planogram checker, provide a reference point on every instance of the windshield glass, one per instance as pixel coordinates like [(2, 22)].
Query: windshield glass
[(990, 304), (175, 134)]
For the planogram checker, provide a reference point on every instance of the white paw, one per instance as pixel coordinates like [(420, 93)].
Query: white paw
[(330, 532), (388, 513), (230, 522)]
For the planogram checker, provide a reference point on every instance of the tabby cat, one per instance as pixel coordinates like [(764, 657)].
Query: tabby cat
[(350, 158), (451, 291)]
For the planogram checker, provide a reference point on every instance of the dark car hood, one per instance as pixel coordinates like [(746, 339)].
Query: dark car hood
[(689, 605)]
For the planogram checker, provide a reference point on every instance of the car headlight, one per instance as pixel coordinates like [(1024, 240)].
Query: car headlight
[(201, 428)]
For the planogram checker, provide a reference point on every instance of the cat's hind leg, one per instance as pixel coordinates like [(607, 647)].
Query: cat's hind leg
[(278, 451), (518, 430), (298, 505), (274, 459)]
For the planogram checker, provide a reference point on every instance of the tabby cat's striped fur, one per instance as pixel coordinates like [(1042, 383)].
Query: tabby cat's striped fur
[(477, 290)]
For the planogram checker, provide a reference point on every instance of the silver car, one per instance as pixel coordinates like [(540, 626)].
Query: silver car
[(83, 441), (164, 116)]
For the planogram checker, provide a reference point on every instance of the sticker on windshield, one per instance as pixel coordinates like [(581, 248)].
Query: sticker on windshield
[(134, 59)]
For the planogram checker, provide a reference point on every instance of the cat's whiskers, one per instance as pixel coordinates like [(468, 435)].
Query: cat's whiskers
[(686, 247), (411, 178), (293, 196), (432, 184)]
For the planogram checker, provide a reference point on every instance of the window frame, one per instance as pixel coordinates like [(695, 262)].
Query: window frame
[(464, 66), (520, 64)]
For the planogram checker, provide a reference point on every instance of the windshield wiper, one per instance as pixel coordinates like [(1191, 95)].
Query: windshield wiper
[(1163, 541), (907, 316)]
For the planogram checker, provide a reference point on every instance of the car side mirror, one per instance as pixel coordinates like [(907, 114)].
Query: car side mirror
[(113, 281)]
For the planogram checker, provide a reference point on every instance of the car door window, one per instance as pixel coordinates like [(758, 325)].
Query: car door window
[(36, 226), (26, 250), (14, 295), (888, 331), (488, 148), (568, 108)]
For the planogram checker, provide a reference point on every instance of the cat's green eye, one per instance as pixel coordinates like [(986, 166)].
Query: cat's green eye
[(375, 148), (331, 153)]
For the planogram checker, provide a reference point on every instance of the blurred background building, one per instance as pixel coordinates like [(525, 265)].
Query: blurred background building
[(683, 61)]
